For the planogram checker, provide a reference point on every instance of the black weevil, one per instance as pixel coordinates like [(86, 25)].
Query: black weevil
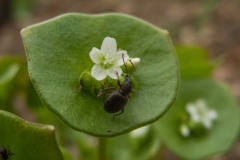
[(118, 98)]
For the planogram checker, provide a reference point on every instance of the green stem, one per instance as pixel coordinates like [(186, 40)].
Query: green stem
[(102, 148)]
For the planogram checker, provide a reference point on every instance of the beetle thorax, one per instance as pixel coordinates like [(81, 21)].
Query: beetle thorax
[(126, 86)]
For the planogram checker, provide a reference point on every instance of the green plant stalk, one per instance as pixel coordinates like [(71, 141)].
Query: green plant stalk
[(102, 148)]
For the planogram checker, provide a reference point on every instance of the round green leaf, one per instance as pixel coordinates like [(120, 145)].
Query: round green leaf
[(217, 139), (58, 53), (27, 140)]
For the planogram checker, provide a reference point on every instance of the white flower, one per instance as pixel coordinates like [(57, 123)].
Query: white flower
[(107, 60), (185, 131), (201, 113)]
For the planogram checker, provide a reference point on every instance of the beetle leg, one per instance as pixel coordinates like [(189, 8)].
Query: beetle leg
[(128, 96), (100, 93), (107, 90), (117, 114)]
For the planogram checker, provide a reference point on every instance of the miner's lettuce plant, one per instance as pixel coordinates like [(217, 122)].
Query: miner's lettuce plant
[(58, 53), (71, 58), (201, 138), (198, 116), (193, 127)]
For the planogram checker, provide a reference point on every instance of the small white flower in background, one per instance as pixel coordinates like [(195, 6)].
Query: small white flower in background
[(107, 60), (185, 131), (200, 113)]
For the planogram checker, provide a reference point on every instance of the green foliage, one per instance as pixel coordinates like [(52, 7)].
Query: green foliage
[(141, 144), (22, 8), (196, 69), (8, 73), (58, 58), (13, 76), (224, 131), (194, 62), (58, 53), (27, 140)]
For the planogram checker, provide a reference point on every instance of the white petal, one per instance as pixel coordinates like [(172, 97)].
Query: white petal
[(109, 45), (212, 115), (112, 72), (195, 117), (96, 55), (191, 109), (120, 55), (98, 72), (184, 130), (207, 123)]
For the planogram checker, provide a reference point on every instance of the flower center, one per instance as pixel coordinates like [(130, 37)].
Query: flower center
[(108, 60)]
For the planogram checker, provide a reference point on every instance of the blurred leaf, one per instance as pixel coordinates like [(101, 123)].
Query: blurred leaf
[(139, 146), (58, 52), (6, 79), (27, 140), (194, 62), (219, 138), (13, 77), (66, 154), (22, 8), (87, 145)]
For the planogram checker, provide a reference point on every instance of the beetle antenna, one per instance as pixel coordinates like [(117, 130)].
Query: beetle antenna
[(124, 63), (133, 67)]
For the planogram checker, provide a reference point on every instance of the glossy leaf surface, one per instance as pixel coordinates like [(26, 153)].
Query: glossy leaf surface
[(58, 53)]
